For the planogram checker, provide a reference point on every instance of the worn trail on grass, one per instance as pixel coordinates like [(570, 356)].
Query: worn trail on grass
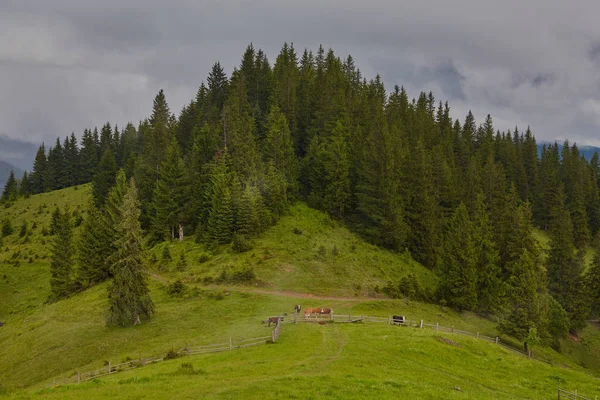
[(282, 293)]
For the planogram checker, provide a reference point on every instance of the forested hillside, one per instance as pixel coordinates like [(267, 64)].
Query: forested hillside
[(462, 197)]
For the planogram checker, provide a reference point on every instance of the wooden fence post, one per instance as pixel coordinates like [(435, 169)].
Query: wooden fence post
[(230, 343), (109, 368), (388, 319), (496, 339), (452, 328), (410, 323), (78, 377), (437, 325), (331, 315), (421, 324), (349, 317), (477, 335)]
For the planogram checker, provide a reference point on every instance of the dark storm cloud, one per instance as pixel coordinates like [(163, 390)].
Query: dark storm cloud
[(66, 65)]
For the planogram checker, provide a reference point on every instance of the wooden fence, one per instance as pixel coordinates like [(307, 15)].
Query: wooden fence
[(563, 394), (228, 345)]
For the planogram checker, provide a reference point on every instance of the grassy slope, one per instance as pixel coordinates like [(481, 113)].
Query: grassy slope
[(284, 260), (41, 341), (346, 362)]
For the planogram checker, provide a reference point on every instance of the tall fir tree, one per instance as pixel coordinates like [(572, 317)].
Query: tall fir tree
[(459, 261), (39, 174), (11, 188), (62, 253), (170, 195), (94, 248), (128, 295), (104, 178)]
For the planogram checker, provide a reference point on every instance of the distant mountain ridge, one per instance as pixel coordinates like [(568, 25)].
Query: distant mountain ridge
[(5, 169), (586, 151)]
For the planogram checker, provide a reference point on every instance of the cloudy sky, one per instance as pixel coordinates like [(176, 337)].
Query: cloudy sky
[(70, 64)]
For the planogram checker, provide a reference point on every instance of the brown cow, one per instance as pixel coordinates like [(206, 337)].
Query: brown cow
[(316, 311)]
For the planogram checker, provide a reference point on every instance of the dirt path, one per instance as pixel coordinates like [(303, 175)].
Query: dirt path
[(282, 293), (299, 295)]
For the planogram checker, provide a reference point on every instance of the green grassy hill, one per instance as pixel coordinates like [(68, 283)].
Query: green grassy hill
[(306, 258), (344, 361)]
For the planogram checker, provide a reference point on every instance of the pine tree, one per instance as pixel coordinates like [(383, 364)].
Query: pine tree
[(88, 157), (56, 173), (39, 175), (104, 178), (128, 295), (592, 279), (240, 131), (565, 267), (459, 262), (94, 247), (170, 195), (62, 256), (11, 188), (25, 185), (527, 295), (252, 215), (278, 148), (490, 288), (220, 222)]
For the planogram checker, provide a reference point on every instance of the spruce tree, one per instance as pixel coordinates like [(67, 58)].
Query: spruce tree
[(170, 195), (592, 279), (61, 258), (490, 288), (40, 172), (104, 178), (25, 185), (88, 157), (565, 267), (459, 260), (128, 295), (11, 188), (94, 247), (252, 217), (220, 222), (278, 148)]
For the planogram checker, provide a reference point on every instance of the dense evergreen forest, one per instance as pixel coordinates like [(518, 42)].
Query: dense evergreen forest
[(463, 198)]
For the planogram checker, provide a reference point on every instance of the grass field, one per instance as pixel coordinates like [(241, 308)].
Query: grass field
[(307, 258), (344, 361)]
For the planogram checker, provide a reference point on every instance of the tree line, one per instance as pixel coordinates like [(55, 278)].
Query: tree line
[(463, 198)]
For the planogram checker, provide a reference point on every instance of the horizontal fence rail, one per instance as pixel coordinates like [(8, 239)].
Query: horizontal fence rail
[(109, 369)]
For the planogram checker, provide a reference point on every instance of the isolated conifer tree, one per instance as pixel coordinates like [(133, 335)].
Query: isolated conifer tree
[(128, 295), (11, 188), (62, 256)]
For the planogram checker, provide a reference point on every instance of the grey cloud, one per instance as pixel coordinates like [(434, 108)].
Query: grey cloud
[(72, 64)]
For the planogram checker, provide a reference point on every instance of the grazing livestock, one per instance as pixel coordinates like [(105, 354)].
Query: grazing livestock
[(297, 308), (316, 311), (272, 320), (398, 319)]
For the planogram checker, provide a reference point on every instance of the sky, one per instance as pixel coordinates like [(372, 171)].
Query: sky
[(66, 65)]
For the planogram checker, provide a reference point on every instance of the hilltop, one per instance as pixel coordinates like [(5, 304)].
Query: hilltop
[(45, 341)]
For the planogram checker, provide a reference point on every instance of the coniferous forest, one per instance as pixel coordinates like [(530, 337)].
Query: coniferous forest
[(462, 197)]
